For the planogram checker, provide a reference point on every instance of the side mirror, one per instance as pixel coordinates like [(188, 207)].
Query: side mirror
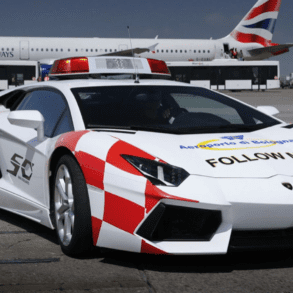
[(269, 110), (30, 119)]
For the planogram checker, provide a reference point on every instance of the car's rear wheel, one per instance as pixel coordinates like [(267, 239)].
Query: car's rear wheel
[(71, 208)]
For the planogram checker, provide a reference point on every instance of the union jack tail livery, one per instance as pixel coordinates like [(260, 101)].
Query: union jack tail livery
[(257, 28), (259, 24)]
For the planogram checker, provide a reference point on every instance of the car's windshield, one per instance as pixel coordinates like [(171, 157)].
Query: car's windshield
[(173, 109)]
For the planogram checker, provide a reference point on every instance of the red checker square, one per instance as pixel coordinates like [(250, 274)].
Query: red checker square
[(93, 169), (153, 194), (122, 213), (96, 228), (70, 139), (149, 249), (121, 147)]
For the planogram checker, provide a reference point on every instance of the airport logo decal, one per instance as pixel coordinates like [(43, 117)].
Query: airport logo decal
[(227, 143)]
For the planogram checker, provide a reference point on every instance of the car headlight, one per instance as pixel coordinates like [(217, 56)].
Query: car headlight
[(156, 172)]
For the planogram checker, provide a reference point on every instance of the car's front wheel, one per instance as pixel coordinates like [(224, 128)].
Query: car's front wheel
[(71, 208)]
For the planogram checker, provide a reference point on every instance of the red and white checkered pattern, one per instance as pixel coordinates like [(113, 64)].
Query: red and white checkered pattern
[(120, 196)]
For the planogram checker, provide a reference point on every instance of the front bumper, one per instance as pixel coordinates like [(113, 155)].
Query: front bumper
[(242, 214)]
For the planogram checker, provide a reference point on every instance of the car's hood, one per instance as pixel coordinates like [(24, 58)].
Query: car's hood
[(259, 154)]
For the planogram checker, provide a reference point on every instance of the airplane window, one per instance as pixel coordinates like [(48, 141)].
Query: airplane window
[(194, 51), (158, 51), (185, 51), (96, 50), (176, 51), (162, 51), (37, 49), (86, 50), (208, 51), (32, 49), (110, 50), (68, 50), (61, 50), (76, 50), (115, 50), (51, 50), (47, 49), (180, 51), (198, 51), (166, 51), (171, 51), (42, 49), (12, 49), (204, 51), (91, 50), (2, 49), (106, 50), (56, 50)]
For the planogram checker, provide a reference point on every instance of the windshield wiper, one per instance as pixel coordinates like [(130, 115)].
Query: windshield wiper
[(135, 127), (108, 126), (221, 128), (243, 127), (186, 130)]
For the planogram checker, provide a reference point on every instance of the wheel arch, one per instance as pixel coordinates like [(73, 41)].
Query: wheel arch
[(82, 222), (56, 155)]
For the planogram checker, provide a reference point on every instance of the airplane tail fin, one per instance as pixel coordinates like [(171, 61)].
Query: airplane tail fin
[(258, 24)]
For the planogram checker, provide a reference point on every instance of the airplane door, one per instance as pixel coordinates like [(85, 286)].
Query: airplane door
[(24, 50), (123, 47)]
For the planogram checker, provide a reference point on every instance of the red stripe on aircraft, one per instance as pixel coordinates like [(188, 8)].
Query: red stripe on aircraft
[(250, 38), (270, 6), (281, 52)]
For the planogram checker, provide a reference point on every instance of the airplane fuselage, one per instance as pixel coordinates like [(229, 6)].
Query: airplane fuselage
[(47, 49)]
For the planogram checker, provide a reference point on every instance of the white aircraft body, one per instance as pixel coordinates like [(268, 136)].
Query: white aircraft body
[(253, 36)]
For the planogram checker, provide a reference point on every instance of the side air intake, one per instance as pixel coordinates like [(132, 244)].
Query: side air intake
[(173, 223)]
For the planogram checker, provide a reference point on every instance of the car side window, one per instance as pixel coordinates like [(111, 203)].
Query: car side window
[(53, 106)]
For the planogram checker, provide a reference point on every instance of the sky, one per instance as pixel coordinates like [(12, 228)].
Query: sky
[(173, 19)]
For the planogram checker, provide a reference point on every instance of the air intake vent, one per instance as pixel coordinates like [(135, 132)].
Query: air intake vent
[(173, 223)]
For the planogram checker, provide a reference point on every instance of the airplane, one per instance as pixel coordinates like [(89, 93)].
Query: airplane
[(253, 35)]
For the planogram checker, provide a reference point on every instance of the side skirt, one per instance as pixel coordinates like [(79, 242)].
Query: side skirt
[(23, 207)]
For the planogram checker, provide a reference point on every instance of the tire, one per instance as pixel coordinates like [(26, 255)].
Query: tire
[(70, 208)]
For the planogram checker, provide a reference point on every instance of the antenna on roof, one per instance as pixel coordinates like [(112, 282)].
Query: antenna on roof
[(136, 73)]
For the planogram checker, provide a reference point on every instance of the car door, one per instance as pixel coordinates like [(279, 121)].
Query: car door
[(24, 159)]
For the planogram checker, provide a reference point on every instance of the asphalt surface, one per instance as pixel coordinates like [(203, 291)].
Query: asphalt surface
[(32, 261)]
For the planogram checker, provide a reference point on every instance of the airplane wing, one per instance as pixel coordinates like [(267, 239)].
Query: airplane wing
[(130, 52), (267, 52)]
